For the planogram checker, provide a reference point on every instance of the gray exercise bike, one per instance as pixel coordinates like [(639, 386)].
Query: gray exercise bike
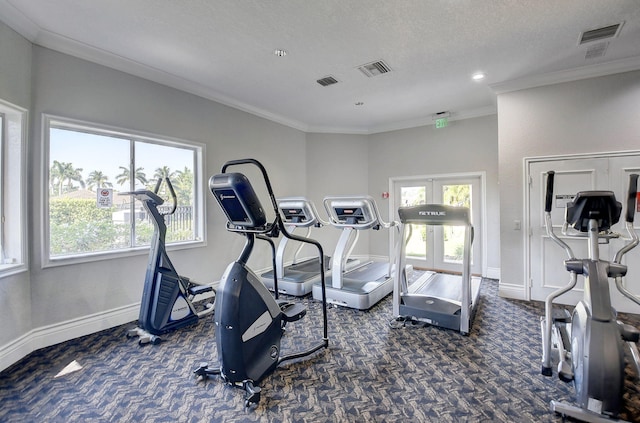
[(591, 341)]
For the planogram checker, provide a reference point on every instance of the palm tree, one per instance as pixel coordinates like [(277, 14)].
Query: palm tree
[(125, 176), (99, 180), (65, 172), (183, 184), (163, 172), (55, 176)]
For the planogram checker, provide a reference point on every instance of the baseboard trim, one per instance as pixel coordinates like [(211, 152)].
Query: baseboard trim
[(516, 292), (56, 333), (49, 335)]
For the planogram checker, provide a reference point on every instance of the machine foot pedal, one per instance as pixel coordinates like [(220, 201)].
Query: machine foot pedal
[(629, 333), (199, 289), (293, 312), (561, 315)]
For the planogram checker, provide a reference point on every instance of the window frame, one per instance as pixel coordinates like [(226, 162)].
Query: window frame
[(199, 172), (13, 210)]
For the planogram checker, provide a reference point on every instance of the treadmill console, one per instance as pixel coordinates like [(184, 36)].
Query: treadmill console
[(298, 212), (357, 212)]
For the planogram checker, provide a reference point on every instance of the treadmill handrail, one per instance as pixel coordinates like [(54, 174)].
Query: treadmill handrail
[(310, 211)]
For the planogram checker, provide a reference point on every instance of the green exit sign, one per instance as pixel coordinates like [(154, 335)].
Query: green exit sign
[(442, 123)]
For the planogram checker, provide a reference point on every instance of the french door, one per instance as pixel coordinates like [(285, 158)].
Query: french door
[(440, 247), (545, 258)]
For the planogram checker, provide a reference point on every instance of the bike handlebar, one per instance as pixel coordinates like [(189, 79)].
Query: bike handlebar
[(174, 197), (632, 197), (549, 194)]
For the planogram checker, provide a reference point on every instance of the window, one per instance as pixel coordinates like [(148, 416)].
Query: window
[(13, 122), (84, 159)]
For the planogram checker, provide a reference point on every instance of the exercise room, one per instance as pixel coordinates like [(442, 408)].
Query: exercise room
[(334, 211)]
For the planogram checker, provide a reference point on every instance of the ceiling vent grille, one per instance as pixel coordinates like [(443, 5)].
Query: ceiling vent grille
[(327, 80), (600, 33), (374, 68)]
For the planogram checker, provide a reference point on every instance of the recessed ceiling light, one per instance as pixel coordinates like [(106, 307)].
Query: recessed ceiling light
[(280, 52), (478, 76)]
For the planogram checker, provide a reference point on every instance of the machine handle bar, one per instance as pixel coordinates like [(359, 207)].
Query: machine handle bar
[(632, 197), (549, 195), (174, 197)]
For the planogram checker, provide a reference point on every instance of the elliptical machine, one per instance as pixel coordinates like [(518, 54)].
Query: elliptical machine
[(249, 321), (590, 341), (167, 297)]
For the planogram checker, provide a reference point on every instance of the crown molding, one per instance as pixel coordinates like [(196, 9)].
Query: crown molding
[(575, 74), (17, 21)]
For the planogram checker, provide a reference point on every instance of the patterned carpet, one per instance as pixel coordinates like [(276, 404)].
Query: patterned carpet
[(370, 373)]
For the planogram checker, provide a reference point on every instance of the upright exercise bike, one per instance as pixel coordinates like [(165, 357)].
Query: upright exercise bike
[(590, 342), (249, 321), (167, 297)]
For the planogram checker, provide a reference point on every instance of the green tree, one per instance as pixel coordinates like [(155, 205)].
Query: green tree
[(98, 180), (62, 172), (125, 176), (163, 172), (457, 195), (183, 185), (78, 226)]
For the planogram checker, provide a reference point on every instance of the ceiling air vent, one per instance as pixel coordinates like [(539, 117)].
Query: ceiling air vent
[(600, 33), (327, 80), (374, 68)]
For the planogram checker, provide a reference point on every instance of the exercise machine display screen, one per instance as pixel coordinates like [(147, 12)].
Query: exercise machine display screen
[(294, 214), (350, 214)]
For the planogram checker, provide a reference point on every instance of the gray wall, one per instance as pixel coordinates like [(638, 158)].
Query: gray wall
[(336, 165), (464, 146), (592, 115), (15, 87), (74, 88)]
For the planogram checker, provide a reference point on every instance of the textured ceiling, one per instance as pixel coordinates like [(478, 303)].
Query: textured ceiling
[(223, 50)]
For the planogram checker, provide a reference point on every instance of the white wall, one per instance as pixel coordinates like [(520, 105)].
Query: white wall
[(15, 87), (591, 115), (464, 146)]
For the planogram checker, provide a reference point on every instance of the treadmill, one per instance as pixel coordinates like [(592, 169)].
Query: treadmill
[(362, 286), (298, 277), (439, 299)]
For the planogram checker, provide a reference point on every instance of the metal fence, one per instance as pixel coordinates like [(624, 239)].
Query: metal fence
[(180, 220)]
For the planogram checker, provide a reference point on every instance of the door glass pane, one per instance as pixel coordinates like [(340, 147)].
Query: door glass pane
[(417, 242), (453, 236)]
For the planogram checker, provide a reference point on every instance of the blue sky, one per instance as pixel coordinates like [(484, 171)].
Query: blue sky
[(106, 153)]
